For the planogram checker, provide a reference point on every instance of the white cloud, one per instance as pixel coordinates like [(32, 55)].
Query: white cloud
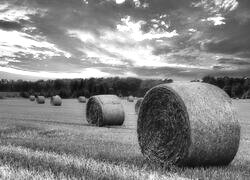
[(13, 42), (192, 30), (16, 13), (85, 2), (133, 29), (214, 6), (227, 4), (119, 1), (83, 35), (85, 73), (217, 20)]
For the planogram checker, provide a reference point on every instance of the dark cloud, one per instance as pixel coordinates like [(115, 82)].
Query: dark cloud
[(234, 61), (218, 67), (162, 50), (9, 25), (231, 38)]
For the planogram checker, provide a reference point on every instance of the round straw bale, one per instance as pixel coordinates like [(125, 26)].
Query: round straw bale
[(40, 99), (56, 100), (188, 124), (105, 110), (32, 98), (82, 99), (138, 104), (130, 99)]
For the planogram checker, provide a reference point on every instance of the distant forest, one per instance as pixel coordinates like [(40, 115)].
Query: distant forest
[(234, 87), (72, 88)]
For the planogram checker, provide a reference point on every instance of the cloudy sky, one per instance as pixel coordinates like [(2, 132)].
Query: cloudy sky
[(179, 39)]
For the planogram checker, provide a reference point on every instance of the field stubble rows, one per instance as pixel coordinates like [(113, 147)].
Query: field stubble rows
[(48, 142)]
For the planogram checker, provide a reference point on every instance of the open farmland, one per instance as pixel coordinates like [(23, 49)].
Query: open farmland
[(41, 141)]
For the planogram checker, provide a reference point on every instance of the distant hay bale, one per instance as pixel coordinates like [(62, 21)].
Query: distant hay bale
[(188, 124), (130, 99), (138, 104), (32, 98), (56, 100), (40, 99), (105, 110), (82, 99)]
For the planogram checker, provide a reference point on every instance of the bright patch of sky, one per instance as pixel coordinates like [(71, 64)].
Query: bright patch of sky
[(85, 73), (14, 42), (120, 1), (218, 20)]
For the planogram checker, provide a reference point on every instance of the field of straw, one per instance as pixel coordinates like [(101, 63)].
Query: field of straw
[(40, 141)]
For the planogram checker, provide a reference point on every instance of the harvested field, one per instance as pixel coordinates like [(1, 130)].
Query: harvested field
[(44, 141)]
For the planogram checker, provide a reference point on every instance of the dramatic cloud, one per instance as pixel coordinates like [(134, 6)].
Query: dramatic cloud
[(179, 39)]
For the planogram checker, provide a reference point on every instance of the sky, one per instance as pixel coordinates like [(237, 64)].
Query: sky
[(178, 39)]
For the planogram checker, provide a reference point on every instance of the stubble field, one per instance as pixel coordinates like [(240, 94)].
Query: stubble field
[(49, 142)]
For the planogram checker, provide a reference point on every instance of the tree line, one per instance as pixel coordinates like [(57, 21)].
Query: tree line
[(234, 87), (72, 88)]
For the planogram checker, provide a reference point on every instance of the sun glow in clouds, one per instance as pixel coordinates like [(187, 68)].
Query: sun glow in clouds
[(14, 42), (85, 73), (128, 32)]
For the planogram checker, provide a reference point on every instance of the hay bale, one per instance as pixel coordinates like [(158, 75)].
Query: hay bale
[(40, 99), (188, 124), (105, 110), (82, 99), (32, 98), (130, 99), (56, 100), (137, 105)]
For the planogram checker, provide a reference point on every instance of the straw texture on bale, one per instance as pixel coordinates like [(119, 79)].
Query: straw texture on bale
[(130, 99), (40, 99), (56, 100), (32, 98), (188, 124), (82, 99), (137, 105), (105, 110)]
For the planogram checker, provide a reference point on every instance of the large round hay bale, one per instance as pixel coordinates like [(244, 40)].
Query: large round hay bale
[(40, 99), (138, 104), (32, 98), (56, 100), (105, 110), (130, 99), (191, 124), (82, 99)]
